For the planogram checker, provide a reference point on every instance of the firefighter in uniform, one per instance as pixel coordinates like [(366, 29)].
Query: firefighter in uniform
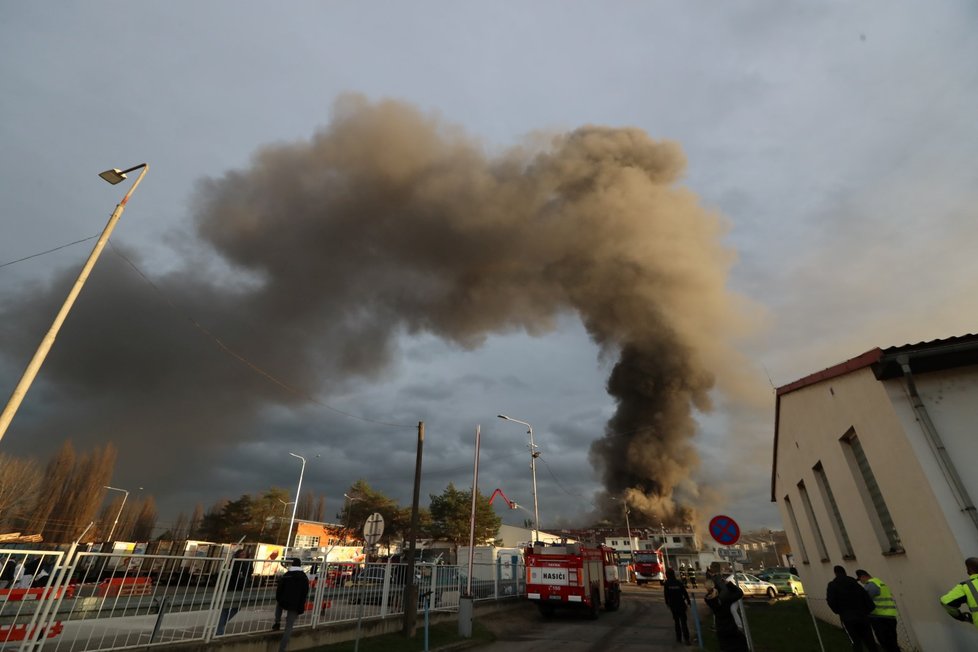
[(677, 599), (883, 618), (964, 594)]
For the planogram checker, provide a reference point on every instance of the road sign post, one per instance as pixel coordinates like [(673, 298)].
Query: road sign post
[(726, 532)]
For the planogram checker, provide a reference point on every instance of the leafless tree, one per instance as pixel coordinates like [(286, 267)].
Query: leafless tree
[(82, 495), (145, 520), (179, 529), (20, 479), (57, 476), (193, 528)]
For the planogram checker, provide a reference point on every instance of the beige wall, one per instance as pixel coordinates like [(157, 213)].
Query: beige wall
[(812, 421)]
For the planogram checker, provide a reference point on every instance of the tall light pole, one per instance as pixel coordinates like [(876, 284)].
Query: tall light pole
[(113, 176), (665, 543), (116, 522), (288, 539), (534, 454)]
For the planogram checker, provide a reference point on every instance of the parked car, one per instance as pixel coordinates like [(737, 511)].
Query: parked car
[(753, 585), (787, 583), (368, 586)]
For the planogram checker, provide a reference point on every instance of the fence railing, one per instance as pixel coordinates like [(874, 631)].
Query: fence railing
[(92, 601)]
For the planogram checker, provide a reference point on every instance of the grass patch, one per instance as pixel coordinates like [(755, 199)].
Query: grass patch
[(438, 636), (783, 625)]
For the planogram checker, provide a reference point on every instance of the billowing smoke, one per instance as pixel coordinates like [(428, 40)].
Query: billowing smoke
[(389, 221)]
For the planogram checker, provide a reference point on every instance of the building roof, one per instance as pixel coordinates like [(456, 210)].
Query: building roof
[(925, 357)]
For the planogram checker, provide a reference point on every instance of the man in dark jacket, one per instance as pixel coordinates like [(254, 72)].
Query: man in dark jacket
[(677, 599), (720, 597), (847, 598), (290, 597)]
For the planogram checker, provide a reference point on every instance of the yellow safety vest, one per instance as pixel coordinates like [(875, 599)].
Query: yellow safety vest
[(967, 589), (885, 605)]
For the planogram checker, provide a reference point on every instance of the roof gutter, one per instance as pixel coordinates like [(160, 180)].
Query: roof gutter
[(937, 444)]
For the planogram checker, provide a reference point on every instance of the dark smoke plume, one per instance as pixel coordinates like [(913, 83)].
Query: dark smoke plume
[(390, 221)]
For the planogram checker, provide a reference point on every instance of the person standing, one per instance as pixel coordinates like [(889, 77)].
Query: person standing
[(720, 597), (237, 580), (883, 617), (964, 594), (847, 598), (677, 599), (290, 597)]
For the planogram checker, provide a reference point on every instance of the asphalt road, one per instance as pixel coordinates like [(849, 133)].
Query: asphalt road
[(642, 624)]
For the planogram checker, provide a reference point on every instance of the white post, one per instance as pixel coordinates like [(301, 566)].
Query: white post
[(119, 514), (289, 540)]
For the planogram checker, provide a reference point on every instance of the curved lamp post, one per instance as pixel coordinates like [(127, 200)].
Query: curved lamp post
[(119, 514), (534, 454), (113, 176), (289, 539)]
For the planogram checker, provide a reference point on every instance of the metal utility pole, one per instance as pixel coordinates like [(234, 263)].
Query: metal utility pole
[(534, 454), (410, 587)]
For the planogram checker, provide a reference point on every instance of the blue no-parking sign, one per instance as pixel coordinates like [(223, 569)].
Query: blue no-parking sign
[(724, 530)]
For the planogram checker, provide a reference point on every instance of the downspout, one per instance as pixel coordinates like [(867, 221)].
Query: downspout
[(937, 444)]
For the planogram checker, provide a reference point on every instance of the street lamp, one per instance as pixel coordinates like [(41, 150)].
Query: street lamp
[(288, 539), (665, 543), (113, 176), (126, 495), (534, 454)]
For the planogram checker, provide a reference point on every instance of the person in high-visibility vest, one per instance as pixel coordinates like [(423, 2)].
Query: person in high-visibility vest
[(964, 594), (883, 617)]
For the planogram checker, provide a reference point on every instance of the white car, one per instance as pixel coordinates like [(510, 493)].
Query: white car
[(752, 585)]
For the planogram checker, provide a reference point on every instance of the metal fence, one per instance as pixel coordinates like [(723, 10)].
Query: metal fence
[(89, 601)]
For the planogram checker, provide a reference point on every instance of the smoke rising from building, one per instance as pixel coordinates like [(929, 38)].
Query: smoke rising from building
[(390, 221)]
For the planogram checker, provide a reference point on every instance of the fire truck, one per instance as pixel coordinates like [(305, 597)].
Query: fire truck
[(572, 575), (648, 566)]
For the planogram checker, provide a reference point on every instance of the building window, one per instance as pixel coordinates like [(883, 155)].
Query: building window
[(677, 540), (796, 530), (806, 502), (870, 492), (838, 525), (306, 541)]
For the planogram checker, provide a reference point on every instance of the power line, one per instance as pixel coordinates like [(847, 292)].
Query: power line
[(41, 253), (253, 366)]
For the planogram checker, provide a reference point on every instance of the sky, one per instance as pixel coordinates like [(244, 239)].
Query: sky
[(623, 223)]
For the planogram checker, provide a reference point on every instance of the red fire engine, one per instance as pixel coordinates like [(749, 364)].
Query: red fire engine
[(572, 575), (648, 566)]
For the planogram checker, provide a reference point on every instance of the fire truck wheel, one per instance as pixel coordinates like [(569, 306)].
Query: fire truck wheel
[(593, 609), (613, 601), (546, 610)]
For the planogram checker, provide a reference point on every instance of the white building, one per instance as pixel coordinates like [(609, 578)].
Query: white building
[(510, 536), (681, 547), (876, 467)]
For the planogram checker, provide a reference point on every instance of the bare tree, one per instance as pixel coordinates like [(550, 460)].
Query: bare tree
[(193, 528), (306, 507), (320, 510), (179, 529), (82, 494), (145, 520), (57, 475), (20, 479)]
